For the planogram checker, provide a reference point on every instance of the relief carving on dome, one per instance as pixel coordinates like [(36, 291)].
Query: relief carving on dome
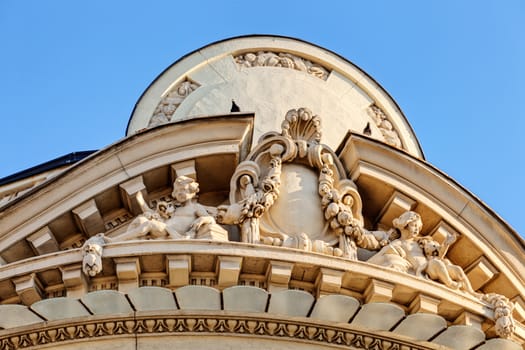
[(292, 191), (385, 126), (281, 59), (169, 104)]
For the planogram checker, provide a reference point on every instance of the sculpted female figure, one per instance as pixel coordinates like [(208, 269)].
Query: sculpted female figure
[(403, 254), (421, 256)]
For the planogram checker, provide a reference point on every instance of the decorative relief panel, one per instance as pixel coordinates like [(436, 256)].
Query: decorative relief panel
[(281, 59), (292, 192), (385, 126), (169, 104), (117, 221), (425, 257)]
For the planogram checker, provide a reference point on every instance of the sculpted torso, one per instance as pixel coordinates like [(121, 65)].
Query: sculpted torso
[(181, 220), (187, 220), (404, 253)]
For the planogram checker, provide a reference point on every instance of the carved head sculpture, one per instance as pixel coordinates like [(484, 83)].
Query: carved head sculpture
[(409, 224), (165, 209), (184, 189), (92, 252), (505, 326), (430, 246)]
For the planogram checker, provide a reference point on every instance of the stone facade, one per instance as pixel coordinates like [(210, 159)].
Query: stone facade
[(272, 223)]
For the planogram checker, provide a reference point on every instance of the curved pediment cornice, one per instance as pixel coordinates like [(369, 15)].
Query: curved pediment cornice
[(440, 200), (122, 161)]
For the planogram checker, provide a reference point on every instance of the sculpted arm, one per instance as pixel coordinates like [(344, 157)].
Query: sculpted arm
[(142, 203), (371, 240), (444, 247), (203, 218)]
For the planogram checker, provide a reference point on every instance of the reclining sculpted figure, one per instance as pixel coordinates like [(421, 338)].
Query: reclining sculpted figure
[(180, 220), (420, 255), (439, 268), (151, 223)]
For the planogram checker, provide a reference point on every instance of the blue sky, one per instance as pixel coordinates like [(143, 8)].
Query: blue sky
[(72, 71)]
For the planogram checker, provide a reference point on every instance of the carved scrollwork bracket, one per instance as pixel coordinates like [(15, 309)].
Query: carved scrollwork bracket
[(315, 183)]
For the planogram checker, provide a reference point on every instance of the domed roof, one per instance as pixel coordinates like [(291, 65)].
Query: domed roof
[(270, 75)]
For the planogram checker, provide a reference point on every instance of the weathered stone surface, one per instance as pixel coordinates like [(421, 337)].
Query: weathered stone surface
[(378, 316), (336, 308), (291, 303), (198, 298), (460, 337), (422, 326), (500, 344), (59, 308), (245, 298), (106, 302), (17, 315), (152, 298)]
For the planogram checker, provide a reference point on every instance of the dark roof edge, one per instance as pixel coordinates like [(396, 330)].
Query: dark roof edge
[(67, 159)]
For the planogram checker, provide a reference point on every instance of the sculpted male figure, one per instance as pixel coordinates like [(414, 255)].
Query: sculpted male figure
[(189, 216), (180, 220), (440, 268), (151, 223)]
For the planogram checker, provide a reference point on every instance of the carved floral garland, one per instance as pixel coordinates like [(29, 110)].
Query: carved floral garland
[(169, 104), (255, 188), (505, 325), (385, 126), (281, 59), (250, 198)]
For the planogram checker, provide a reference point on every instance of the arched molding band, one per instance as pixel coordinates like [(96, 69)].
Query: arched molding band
[(204, 323)]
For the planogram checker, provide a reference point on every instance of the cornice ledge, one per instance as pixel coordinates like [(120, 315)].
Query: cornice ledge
[(120, 162), (357, 152), (137, 248)]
